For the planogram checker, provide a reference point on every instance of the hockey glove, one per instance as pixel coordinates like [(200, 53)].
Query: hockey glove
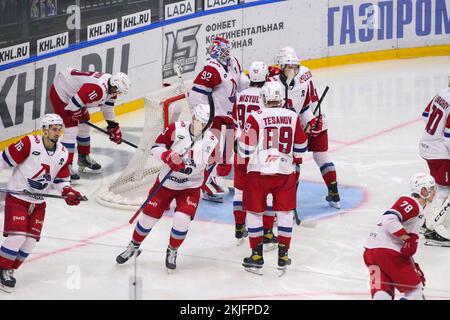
[(420, 273), (410, 245), (79, 116), (115, 134), (315, 126), (223, 169), (173, 160), (274, 71), (72, 196)]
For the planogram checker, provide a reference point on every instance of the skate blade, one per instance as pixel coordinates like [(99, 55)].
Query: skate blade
[(335, 205), (6, 289), (213, 199), (432, 243), (240, 242), (257, 271), (270, 246), (88, 170), (281, 271)]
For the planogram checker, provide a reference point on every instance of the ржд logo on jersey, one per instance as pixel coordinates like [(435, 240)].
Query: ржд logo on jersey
[(181, 48)]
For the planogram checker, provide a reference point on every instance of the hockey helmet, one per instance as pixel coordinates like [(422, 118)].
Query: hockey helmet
[(258, 71)]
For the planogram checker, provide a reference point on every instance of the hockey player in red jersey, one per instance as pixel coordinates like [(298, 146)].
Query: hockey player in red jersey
[(71, 94), (274, 142), (183, 185), (38, 162), (222, 77), (391, 246), (318, 135), (434, 147), (248, 101)]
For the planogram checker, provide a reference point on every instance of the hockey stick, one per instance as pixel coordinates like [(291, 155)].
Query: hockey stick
[(106, 132), (152, 194), (34, 194), (318, 106)]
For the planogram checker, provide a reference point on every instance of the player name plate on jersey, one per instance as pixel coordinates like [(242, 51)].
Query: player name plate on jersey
[(102, 29), (213, 4), (136, 20), (14, 53), (53, 43), (179, 9)]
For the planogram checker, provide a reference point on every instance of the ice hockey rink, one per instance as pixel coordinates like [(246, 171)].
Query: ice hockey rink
[(374, 113)]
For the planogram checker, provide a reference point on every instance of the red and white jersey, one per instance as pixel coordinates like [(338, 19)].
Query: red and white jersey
[(435, 141), (305, 75), (273, 140), (35, 168), (85, 89), (405, 216), (178, 138), (298, 99), (247, 101), (222, 82)]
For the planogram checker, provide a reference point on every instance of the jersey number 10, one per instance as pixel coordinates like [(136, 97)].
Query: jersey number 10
[(433, 120)]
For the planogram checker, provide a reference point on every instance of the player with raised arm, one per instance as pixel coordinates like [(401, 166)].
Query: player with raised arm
[(221, 77), (38, 162), (183, 185), (434, 147), (274, 142), (391, 246), (318, 136), (71, 94), (248, 101)]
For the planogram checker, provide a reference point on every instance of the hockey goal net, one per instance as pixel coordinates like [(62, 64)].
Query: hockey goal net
[(130, 189)]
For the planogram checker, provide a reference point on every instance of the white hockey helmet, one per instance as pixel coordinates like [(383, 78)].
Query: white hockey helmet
[(258, 71), (201, 112), (283, 52), (51, 119), (288, 59), (121, 81), (420, 181), (272, 92)]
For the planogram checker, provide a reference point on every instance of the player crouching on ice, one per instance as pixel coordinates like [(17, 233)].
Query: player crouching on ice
[(391, 246), (274, 142), (183, 185), (38, 162)]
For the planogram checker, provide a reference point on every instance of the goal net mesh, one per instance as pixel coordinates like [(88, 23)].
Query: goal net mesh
[(130, 189)]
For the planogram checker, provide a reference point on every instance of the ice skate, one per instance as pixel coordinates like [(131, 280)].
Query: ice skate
[(7, 283), (171, 260), (283, 260), (74, 176), (432, 238), (128, 253), (255, 262), (270, 241), (333, 196), (240, 232), (88, 165)]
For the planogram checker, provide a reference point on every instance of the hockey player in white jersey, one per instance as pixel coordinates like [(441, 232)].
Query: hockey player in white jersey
[(434, 147), (318, 138), (183, 185), (38, 162), (390, 248), (247, 102), (71, 94), (222, 77), (274, 142)]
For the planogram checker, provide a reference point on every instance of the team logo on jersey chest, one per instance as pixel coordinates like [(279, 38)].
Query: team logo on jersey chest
[(41, 179)]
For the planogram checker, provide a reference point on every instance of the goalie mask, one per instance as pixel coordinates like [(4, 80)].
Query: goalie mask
[(200, 118), (421, 181), (220, 50)]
